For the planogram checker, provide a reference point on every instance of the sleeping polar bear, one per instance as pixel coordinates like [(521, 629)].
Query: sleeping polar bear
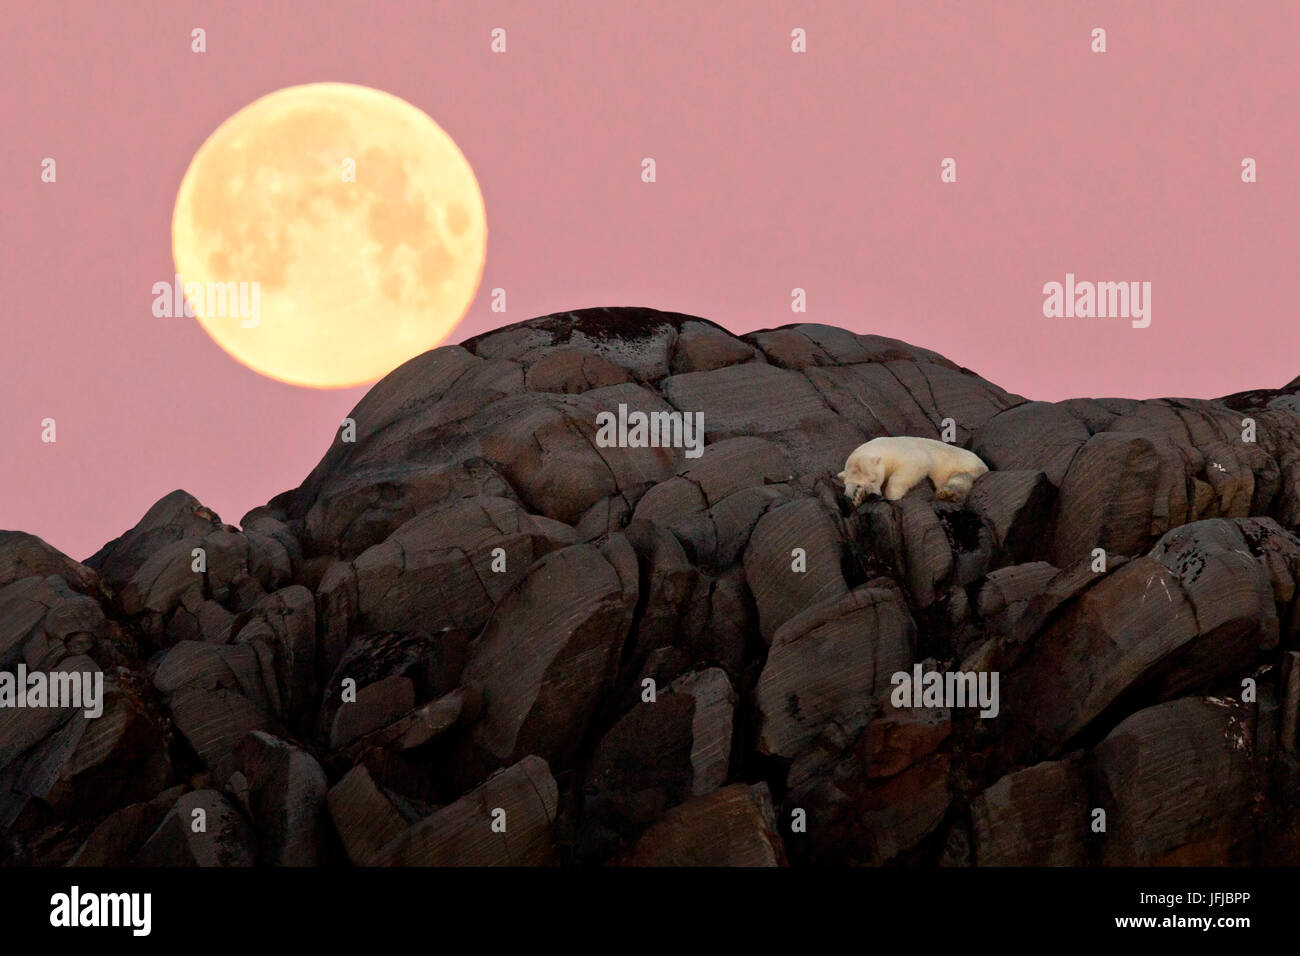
[(894, 466)]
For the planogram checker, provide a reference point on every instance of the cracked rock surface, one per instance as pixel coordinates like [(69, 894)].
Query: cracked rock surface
[(475, 635)]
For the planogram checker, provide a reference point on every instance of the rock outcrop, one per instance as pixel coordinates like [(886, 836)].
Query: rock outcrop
[(482, 633)]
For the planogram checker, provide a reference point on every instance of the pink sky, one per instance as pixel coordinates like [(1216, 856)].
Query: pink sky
[(775, 170)]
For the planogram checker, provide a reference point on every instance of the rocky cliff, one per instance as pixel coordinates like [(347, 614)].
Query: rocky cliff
[(475, 634)]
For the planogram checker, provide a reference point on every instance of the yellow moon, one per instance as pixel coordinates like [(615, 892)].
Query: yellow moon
[(354, 221)]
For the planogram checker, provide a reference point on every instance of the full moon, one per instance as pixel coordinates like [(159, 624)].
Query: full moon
[(347, 216)]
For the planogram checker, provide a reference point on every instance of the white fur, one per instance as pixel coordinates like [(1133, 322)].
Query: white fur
[(894, 466)]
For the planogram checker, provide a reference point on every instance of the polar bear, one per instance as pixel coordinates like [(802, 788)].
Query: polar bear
[(894, 466)]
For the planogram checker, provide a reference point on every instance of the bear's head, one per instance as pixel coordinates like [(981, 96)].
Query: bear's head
[(867, 478)]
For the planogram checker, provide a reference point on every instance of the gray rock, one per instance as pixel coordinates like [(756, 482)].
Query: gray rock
[(572, 371), (203, 829), (734, 826), (1176, 785), (549, 651), (443, 567), (286, 795), (832, 664), (747, 400), (1038, 816), (1017, 506), (628, 563), (1197, 609), (377, 705), (702, 347), (172, 518), (780, 591), (504, 822), (363, 817), (25, 556)]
